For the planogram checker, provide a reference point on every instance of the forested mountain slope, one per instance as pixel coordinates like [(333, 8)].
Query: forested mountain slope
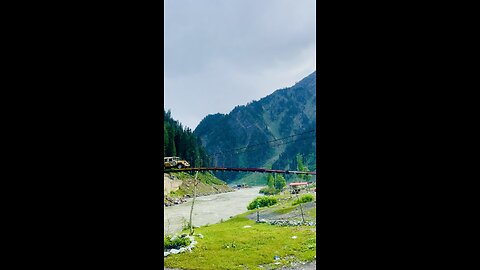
[(181, 142), (268, 133)]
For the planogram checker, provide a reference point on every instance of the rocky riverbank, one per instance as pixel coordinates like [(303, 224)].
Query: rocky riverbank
[(169, 201), (208, 209)]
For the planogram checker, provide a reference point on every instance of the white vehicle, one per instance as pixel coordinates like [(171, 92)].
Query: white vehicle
[(175, 162)]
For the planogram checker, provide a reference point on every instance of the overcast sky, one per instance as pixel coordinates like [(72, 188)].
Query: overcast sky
[(224, 53)]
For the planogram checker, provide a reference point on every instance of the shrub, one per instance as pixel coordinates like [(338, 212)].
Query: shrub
[(185, 224), (269, 191), (304, 199), (262, 202), (175, 242)]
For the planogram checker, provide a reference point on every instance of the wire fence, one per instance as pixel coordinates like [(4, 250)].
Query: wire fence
[(295, 214)]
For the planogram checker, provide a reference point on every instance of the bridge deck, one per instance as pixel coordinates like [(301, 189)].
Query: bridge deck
[(238, 170)]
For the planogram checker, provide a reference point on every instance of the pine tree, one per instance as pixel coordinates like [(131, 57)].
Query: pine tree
[(302, 168), (280, 182), (180, 141), (270, 181), (165, 139)]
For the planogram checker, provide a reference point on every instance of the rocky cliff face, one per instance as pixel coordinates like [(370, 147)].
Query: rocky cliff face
[(277, 118), (170, 184)]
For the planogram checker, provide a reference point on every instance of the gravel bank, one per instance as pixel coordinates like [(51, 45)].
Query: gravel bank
[(208, 209)]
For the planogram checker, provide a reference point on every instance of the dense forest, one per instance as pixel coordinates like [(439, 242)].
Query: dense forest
[(181, 142)]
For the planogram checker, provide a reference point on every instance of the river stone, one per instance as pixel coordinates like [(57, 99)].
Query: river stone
[(174, 251), (290, 223), (165, 254)]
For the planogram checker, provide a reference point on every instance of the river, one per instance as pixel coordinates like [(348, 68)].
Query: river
[(208, 209)]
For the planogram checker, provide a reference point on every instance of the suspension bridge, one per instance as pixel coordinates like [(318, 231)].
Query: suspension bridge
[(260, 170), (254, 147)]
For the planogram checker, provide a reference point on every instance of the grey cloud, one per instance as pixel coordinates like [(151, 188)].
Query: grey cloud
[(223, 53)]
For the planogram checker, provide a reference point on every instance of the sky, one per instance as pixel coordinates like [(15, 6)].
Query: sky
[(219, 54)]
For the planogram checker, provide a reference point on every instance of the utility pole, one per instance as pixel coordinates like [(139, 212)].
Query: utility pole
[(274, 180), (193, 201), (301, 209)]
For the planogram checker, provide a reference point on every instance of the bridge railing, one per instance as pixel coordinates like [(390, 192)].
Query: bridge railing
[(261, 170)]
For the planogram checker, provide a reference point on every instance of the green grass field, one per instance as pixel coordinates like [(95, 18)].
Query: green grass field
[(228, 245)]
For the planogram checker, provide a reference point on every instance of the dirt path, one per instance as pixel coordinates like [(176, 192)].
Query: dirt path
[(208, 209)]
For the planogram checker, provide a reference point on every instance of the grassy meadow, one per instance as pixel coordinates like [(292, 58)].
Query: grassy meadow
[(241, 243)]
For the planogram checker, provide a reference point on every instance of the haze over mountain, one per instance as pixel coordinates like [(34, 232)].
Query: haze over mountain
[(268, 133)]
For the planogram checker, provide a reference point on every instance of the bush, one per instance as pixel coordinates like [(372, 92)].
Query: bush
[(262, 202), (185, 224), (304, 199), (176, 242), (269, 191)]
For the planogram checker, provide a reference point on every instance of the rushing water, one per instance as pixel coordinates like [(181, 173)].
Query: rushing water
[(208, 209)]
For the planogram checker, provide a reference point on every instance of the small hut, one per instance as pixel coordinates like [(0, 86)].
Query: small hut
[(296, 187)]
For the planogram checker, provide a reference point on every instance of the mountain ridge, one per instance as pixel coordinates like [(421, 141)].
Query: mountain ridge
[(282, 114)]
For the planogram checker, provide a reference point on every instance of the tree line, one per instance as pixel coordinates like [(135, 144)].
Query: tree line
[(180, 141)]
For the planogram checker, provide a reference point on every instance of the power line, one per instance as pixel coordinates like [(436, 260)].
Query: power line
[(264, 143), (256, 149), (225, 155)]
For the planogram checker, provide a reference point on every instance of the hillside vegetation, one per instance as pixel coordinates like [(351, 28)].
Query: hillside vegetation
[(180, 141)]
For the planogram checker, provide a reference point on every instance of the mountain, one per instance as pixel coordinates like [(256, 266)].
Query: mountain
[(268, 133)]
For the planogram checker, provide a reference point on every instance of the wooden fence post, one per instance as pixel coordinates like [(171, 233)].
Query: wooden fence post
[(301, 209)]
